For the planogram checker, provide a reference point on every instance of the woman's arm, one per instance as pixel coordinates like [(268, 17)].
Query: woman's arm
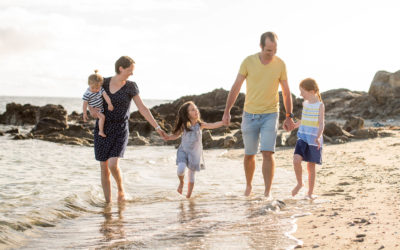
[(205, 125), (145, 112), (108, 100)]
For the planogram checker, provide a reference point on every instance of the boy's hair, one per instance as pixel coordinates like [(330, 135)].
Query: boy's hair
[(95, 78), (271, 35), (183, 120), (124, 62), (310, 84)]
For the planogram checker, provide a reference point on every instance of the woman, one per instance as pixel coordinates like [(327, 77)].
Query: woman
[(109, 149)]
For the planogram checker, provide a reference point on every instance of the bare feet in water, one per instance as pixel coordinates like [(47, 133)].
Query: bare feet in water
[(296, 189), (180, 187), (247, 192), (102, 134), (121, 196)]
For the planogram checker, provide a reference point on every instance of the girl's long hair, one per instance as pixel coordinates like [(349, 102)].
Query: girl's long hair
[(182, 120), (310, 84)]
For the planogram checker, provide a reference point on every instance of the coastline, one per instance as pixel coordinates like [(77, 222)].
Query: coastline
[(360, 184)]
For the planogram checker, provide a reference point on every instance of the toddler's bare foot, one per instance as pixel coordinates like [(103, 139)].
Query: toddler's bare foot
[(180, 187), (247, 192), (102, 134), (296, 189), (121, 196)]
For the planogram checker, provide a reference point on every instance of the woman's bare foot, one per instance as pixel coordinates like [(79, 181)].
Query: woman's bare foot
[(180, 187), (121, 196), (247, 192), (102, 134), (296, 189)]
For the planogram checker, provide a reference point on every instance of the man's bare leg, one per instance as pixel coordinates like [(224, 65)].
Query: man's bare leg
[(268, 170), (116, 172), (249, 168), (105, 181)]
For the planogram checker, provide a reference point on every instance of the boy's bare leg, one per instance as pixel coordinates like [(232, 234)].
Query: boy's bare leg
[(268, 170), (105, 181), (102, 119), (311, 178), (181, 182), (116, 172), (249, 163), (298, 171)]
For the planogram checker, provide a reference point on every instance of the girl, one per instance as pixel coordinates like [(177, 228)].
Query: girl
[(310, 139), (94, 98), (189, 125)]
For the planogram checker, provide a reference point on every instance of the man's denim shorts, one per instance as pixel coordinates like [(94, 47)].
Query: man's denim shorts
[(255, 126)]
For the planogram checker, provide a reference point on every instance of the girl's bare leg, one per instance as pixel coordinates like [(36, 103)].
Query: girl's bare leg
[(105, 181), (298, 171), (191, 183), (181, 182), (181, 175), (102, 119), (311, 178)]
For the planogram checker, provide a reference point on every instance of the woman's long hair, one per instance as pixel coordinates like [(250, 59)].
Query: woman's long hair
[(310, 84), (182, 120)]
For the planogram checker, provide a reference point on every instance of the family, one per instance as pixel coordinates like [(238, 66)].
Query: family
[(263, 72)]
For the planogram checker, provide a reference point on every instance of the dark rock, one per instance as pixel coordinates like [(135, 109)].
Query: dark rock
[(13, 131), (17, 114), (292, 139), (49, 125), (332, 129), (365, 133), (239, 139), (353, 123), (138, 139)]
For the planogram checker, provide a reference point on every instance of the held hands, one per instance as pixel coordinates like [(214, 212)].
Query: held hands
[(162, 134), (288, 124), (226, 118)]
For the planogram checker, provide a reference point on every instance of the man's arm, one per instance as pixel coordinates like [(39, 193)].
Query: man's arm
[(288, 124), (233, 94)]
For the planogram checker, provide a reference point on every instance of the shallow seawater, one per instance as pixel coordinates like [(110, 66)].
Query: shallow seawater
[(51, 197)]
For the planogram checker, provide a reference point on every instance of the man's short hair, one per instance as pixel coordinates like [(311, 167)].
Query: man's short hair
[(270, 35)]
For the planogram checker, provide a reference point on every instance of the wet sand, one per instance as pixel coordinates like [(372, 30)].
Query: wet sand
[(361, 182)]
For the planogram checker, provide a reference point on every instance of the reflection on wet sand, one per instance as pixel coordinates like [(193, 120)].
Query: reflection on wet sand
[(113, 227)]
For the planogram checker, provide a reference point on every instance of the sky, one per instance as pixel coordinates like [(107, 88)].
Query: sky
[(186, 47)]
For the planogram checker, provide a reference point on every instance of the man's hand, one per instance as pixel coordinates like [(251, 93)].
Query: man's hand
[(288, 124), (226, 119)]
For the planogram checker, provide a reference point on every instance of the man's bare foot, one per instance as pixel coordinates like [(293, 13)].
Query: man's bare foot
[(268, 196), (180, 187), (102, 134), (296, 189), (247, 192), (311, 197), (121, 196)]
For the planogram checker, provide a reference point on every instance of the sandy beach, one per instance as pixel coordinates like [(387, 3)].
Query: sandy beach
[(360, 182)]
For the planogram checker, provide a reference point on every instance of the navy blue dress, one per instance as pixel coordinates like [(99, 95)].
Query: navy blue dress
[(116, 126)]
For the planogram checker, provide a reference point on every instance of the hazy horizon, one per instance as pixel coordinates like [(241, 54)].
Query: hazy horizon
[(191, 47)]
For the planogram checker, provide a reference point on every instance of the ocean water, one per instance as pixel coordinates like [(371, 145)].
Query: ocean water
[(51, 198)]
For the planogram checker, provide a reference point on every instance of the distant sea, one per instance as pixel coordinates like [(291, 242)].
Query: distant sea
[(69, 103)]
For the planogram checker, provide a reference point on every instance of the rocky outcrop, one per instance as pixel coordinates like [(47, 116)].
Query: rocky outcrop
[(385, 86), (19, 115)]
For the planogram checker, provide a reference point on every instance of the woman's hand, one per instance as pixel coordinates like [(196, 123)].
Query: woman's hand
[(162, 134), (94, 111)]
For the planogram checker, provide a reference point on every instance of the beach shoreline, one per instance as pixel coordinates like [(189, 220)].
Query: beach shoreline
[(359, 185)]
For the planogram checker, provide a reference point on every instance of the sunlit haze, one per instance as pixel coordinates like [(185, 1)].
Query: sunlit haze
[(48, 48)]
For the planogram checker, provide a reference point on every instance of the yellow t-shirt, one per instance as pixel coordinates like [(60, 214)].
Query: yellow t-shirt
[(262, 83)]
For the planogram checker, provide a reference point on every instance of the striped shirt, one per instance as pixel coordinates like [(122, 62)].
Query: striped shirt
[(94, 99), (308, 129)]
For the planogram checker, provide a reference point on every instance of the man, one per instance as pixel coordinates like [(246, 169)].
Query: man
[(263, 72)]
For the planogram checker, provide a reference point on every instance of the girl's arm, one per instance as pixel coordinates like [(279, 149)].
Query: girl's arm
[(174, 136), (321, 122), (205, 125), (297, 124), (84, 107), (145, 112), (108, 100)]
